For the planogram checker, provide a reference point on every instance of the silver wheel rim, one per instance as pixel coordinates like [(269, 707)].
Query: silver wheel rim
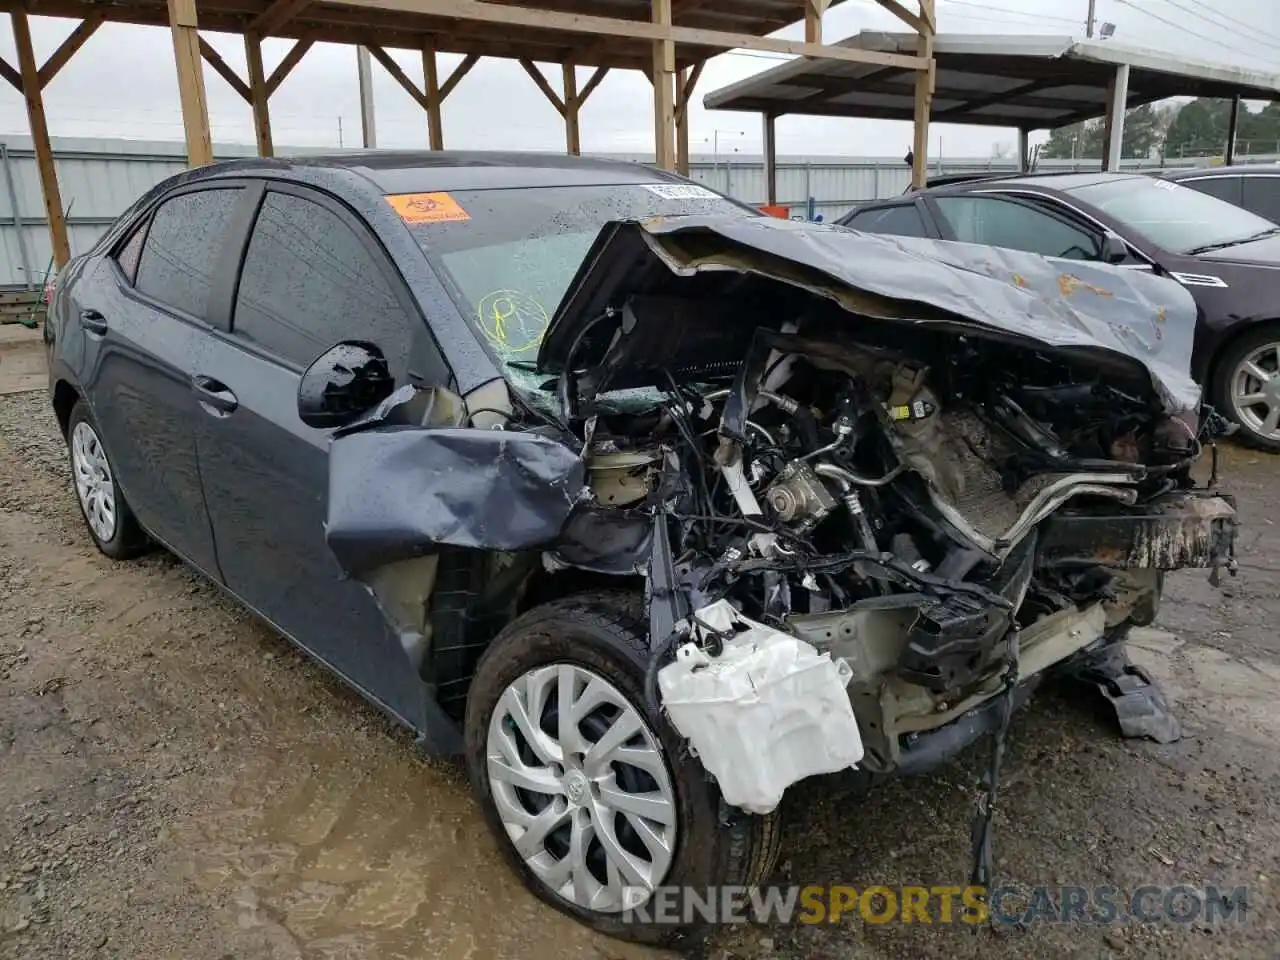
[(92, 474), (584, 793), (1255, 391)]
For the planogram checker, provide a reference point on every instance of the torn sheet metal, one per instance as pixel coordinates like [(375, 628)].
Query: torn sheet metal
[(1089, 308), (398, 492)]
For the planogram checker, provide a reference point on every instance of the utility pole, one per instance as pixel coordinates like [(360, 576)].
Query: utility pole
[(1088, 24)]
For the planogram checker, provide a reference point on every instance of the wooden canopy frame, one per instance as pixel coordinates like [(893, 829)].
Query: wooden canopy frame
[(668, 40)]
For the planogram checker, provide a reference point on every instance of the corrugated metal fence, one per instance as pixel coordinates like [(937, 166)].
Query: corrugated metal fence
[(100, 178)]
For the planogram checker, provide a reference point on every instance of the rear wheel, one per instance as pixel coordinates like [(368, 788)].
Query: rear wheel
[(593, 800), (111, 523), (1248, 387)]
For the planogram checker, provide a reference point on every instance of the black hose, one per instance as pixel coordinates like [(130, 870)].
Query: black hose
[(651, 673)]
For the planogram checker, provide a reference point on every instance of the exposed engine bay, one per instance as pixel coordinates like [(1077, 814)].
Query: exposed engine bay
[(899, 510)]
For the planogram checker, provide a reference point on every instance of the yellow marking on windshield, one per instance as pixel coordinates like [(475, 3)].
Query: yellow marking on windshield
[(512, 321)]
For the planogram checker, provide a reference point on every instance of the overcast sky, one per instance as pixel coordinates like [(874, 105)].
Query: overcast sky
[(105, 92)]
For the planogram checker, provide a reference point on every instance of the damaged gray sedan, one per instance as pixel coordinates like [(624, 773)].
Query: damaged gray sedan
[(758, 500)]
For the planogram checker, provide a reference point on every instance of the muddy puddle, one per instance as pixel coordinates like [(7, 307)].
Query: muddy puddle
[(321, 857)]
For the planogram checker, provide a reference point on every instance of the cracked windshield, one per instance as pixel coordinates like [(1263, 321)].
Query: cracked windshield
[(511, 254)]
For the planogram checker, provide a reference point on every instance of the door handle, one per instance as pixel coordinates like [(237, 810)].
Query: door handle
[(213, 394), (93, 321)]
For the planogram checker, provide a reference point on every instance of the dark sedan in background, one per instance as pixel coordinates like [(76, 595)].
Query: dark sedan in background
[(1227, 257), (1254, 186)]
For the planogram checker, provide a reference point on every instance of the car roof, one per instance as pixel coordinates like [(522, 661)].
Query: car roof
[(410, 171), (1235, 170), (1063, 181)]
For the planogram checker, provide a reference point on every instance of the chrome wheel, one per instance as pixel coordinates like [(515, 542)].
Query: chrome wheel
[(1255, 391), (94, 487), (580, 785)]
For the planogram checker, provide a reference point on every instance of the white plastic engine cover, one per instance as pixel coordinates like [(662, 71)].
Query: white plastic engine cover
[(768, 711)]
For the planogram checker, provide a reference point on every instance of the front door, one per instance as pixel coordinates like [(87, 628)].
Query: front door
[(312, 276)]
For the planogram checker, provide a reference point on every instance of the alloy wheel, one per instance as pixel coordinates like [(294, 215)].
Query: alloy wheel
[(1255, 391), (581, 787), (93, 481)]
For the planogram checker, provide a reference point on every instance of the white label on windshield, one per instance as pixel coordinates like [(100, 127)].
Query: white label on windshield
[(681, 191), (1164, 184)]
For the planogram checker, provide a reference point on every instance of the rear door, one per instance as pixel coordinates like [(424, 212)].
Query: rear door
[(312, 275), (144, 313)]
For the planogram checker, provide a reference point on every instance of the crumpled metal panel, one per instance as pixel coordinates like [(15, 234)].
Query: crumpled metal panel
[(1060, 303), (399, 491)]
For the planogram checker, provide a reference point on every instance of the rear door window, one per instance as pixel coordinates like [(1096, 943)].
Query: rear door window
[(1000, 222), (1262, 196), (310, 281), (1224, 188), (903, 220), (183, 246)]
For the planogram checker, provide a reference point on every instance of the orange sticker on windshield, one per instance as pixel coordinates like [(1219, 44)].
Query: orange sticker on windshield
[(427, 208)]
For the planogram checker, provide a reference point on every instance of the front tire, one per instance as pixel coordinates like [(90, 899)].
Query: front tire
[(1247, 387), (595, 811), (107, 516)]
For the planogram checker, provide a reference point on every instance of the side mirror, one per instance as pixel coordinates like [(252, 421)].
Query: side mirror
[(345, 381), (1114, 250)]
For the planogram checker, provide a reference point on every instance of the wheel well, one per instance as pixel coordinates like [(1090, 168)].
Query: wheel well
[(1210, 383), (543, 587), (64, 398)]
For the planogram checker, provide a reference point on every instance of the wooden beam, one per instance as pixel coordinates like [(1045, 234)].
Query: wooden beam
[(431, 77), (460, 71), (684, 92), (664, 68), (398, 75), (276, 16), (475, 10), (536, 75), (186, 54), (291, 59), (258, 94), (923, 97), (572, 103), (224, 69), (683, 89), (913, 21), (9, 73), (67, 49), (592, 82), (813, 11), (29, 71)]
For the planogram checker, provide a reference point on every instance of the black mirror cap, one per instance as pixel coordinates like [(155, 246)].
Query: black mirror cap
[(1114, 250), (347, 380)]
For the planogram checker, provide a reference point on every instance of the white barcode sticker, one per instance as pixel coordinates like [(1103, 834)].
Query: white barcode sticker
[(681, 191)]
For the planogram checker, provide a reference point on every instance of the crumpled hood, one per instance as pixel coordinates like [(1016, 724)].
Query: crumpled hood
[(1064, 304)]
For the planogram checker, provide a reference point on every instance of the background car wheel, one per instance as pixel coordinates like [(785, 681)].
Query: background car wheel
[(593, 800), (110, 521), (1248, 388)]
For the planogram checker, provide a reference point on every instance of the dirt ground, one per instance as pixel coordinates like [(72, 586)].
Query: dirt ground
[(178, 782)]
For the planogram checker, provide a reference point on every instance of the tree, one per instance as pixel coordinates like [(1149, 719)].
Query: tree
[(1199, 129), (1076, 140), (1141, 133)]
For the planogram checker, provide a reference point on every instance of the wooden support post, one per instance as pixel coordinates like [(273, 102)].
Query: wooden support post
[(571, 106), (1233, 129), (1113, 126), (186, 54), (770, 159), (813, 11), (686, 80), (431, 81), (258, 94), (29, 72), (923, 96), (664, 68)]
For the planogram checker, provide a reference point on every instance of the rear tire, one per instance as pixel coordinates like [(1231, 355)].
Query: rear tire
[(106, 514), (1234, 386), (596, 646)]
